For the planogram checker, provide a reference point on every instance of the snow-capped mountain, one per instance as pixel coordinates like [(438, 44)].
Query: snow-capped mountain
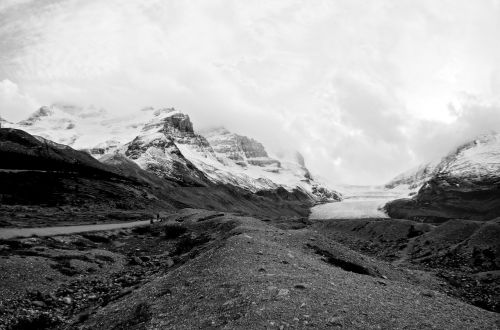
[(163, 141), (83, 128), (477, 159), (464, 184), (414, 179)]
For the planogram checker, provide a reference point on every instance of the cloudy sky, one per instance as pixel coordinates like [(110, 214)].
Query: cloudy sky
[(364, 89)]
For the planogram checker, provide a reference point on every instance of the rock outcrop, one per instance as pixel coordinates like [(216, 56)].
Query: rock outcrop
[(241, 149)]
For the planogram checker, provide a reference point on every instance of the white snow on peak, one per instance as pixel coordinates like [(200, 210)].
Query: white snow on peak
[(223, 156), (81, 128), (476, 159)]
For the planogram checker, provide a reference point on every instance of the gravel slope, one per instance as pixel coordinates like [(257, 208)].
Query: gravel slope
[(254, 275)]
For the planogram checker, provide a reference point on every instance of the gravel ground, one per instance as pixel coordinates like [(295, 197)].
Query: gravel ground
[(264, 277)]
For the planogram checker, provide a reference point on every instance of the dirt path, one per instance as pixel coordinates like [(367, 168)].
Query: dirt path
[(9, 233)]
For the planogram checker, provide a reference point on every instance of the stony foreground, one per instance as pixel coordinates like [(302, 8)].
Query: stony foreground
[(202, 269)]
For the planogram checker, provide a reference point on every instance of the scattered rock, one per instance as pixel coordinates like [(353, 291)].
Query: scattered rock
[(429, 294), (137, 261), (169, 262), (283, 292), (67, 300), (335, 321), (39, 303)]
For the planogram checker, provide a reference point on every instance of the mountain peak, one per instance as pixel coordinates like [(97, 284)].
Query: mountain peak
[(36, 116), (163, 111), (169, 121), (478, 158)]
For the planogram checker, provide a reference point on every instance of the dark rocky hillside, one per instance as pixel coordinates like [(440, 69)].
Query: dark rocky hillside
[(44, 183), (22, 151), (445, 198)]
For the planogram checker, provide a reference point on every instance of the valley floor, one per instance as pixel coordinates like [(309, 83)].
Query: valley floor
[(205, 269)]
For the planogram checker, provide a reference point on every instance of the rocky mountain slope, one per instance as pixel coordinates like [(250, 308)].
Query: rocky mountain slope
[(45, 183), (464, 184), (164, 142)]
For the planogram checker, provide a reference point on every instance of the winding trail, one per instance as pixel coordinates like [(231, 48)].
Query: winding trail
[(8, 233)]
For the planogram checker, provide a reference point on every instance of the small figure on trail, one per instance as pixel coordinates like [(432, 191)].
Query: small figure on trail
[(158, 217)]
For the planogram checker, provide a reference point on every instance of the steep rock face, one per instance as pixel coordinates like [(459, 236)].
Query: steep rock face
[(464, 184), (251, 148), (241, 149), (155, 149), (170, 122), (324, 194)]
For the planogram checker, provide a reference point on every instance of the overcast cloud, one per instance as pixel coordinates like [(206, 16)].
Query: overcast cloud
[(364, 89)]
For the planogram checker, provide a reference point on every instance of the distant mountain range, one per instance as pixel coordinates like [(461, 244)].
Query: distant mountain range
[(164, 142), (463, 184)]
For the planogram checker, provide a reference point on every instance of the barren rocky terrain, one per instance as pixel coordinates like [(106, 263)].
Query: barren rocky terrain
[(206, 269)]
